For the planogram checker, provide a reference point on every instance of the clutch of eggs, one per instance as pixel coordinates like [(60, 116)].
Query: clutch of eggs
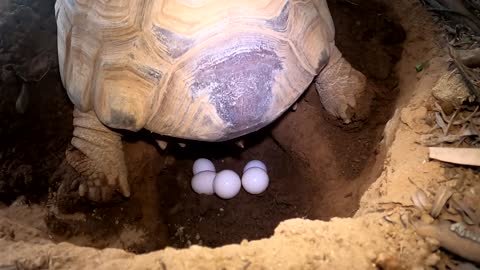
[(226, 184)]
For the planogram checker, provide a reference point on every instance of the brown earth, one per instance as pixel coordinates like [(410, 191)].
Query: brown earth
[(319, 170)]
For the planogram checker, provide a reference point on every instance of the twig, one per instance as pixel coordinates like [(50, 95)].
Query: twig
[(441, 123), (468, 76), (457, 144), (471, 115), (433, 140), (469, 21), (440, 110), (451, 121), (464, 120)]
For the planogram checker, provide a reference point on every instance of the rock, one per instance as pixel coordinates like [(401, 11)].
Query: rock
[(451, 91)]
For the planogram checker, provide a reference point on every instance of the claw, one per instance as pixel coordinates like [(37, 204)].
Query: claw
[(162, 144), (124, 186), (82, 190), (240, 144), (22, 100)]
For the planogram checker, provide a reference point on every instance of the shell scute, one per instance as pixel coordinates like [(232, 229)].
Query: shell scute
[(198, 69)]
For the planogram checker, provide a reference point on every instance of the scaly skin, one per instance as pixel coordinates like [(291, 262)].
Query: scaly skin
[(342, 89), (98, 157)]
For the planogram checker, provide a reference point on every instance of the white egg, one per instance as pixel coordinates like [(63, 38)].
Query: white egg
[(203, 164), (202, 182), (227, 184), (255, 180), (255, 164)]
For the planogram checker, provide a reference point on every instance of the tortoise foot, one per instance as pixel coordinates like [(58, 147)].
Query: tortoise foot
[(343, 90), (92, 182), (96, 154)]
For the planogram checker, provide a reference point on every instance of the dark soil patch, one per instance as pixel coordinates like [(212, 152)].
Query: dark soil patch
[(33, 143)]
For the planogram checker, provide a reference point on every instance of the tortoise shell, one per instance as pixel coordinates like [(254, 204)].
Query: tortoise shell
[(208, 70)]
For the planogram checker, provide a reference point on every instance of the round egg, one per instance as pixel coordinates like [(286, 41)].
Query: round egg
[(255, 164), (203, 164), (227, 184), (255, 180), (202, 182)]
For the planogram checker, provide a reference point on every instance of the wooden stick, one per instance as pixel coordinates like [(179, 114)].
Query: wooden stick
[(463, 156)]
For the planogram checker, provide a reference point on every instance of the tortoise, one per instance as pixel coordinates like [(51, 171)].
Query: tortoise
[(204, 70)]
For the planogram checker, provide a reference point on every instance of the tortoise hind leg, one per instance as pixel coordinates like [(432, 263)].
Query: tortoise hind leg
[(97, 155), (342, 89)]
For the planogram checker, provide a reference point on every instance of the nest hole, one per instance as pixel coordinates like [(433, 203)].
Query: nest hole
[(318, 167)]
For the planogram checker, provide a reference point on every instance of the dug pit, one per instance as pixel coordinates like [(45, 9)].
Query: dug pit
[(318, 167)]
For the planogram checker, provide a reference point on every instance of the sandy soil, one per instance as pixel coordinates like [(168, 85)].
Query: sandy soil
[(378, 236)]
